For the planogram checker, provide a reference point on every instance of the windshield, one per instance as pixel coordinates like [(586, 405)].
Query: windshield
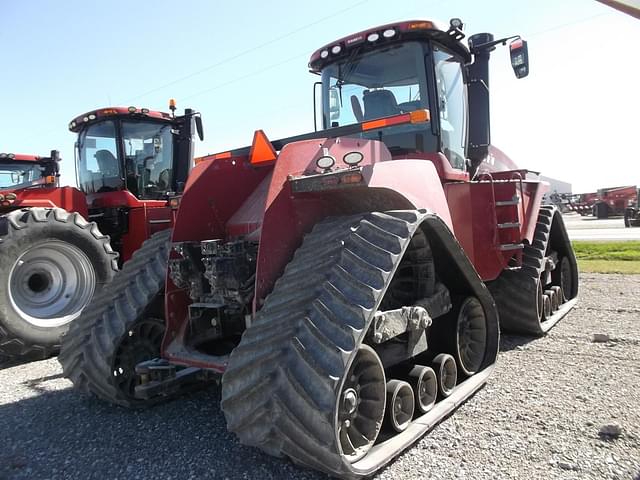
[(148, 150), (16, 174), (99, 166), (384, 82)]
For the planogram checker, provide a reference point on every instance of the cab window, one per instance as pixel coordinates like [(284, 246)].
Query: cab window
[(452, 105)]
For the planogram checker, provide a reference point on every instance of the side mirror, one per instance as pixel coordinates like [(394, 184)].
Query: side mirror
[(519, 57), (334, 104), (199, 129)]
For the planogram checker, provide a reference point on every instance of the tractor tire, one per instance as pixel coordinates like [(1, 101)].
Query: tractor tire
[(628, 215), (122, 328), (601, 211), (53, 262)]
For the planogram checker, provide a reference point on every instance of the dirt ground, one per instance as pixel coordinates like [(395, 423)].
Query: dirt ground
[(539, 417)]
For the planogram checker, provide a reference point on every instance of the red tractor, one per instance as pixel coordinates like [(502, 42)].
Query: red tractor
[(59, 245), (614, 201), (345, 284)]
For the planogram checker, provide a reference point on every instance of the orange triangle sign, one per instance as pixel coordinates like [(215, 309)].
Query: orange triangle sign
[(261, 150)]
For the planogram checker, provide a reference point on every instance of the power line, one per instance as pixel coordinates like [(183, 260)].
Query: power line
[(246, 52), (237, 79)]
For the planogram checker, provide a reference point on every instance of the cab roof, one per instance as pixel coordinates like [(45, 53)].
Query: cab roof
[(94, 115), (19, 157), (390, 32)]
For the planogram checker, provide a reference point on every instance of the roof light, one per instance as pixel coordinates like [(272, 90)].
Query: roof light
[(145, 110), (325, 162), (324, 53), (389, 33), (3, 155), (85, 119), (420, 25), (10, 197), (92, 116), (373, 37), (353, 158), (132, 109), (11, 156), (456, 23), (336, 49)]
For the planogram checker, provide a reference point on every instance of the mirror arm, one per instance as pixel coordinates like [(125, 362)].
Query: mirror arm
[(489, 45)]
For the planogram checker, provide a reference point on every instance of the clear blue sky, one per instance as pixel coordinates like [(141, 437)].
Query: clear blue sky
[(244, 66)]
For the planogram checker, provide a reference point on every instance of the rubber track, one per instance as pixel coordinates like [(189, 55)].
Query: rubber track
[(515, 290), (89, 347), (280, 388), (12, 347)]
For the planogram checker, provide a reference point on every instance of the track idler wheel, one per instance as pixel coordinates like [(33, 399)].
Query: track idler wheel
[(446, 373), (400, 404), (462, 333), (424, 382), (562, 276), (362, 403)]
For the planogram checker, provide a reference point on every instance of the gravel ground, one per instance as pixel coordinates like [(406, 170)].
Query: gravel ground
[(538, 418)]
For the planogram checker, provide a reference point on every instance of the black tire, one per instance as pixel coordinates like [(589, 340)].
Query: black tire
[(628, 214), (52, 262), (121, 328), (601, 210)]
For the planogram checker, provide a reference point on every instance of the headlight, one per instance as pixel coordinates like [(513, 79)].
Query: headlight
[(352, 158), (325, 162)]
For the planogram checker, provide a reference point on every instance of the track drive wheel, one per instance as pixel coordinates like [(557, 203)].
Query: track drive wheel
[(120, 329), (53, 262), (362, 404)]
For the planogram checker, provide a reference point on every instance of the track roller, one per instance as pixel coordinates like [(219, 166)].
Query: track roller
[(546, 307), (557, 290), (424, 382), (446, 372), (400, 404), (553, 299)]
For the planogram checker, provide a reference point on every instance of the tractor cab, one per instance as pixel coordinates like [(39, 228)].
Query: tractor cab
[(131, 163), (142, 152), (24, 171), (376, 76)]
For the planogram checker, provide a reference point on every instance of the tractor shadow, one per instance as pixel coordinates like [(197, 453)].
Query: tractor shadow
[(510, 342), (60, 434)]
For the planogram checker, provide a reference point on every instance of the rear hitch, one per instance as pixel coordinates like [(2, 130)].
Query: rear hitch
[(158, 377)]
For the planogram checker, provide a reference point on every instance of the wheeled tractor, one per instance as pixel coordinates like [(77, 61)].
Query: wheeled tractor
[(59, 246)]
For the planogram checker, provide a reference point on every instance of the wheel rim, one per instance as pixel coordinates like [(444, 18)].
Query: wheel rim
[(140, 343), (50, 283), (447, 374), (425, 386), (471, 336), (565, 278), (400, 404), (361, 405)]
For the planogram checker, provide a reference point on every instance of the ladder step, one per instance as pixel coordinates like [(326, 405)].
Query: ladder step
[(511, 246), (509, 225), (506, 203)]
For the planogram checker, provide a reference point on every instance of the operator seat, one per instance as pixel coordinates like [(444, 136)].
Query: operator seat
[(379, 103)]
